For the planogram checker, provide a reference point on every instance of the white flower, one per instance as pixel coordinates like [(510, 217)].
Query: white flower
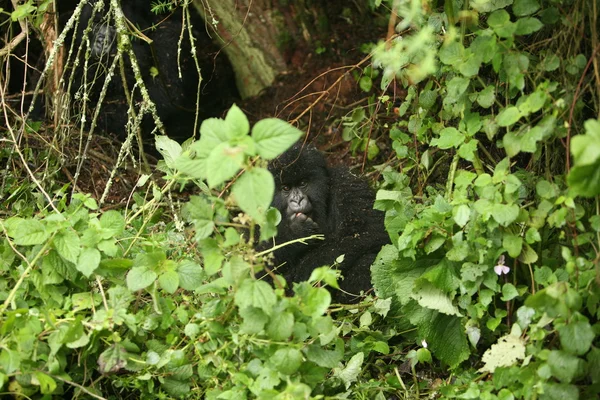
[(501, 268)]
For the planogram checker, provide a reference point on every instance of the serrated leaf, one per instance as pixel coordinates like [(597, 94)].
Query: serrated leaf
[(237, 122), (505, 214), (27, 232), (88, 261), (168, 148), (68, 245), (449, 137), (169, 281), (112, 223), (191, 275), (430, 297), (505, 353), (140, 278), (274, 136), (281, 326), (353, 368), (257, 294), (446, 337), (253, 192), (287, 360), (223, 163)]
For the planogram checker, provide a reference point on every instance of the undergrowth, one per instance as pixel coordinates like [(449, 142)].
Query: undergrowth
[(488, 290)]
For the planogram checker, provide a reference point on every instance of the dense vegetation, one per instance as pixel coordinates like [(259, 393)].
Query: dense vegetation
[(489, 290)]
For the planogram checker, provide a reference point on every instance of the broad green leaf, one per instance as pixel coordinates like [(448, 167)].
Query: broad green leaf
[(168, 148), (451, 53), (560, 391), (199, 211), (274, 136), (498, 18), (223, 163), (352, 370), (287, 360), (457, 86), (565, 366), (27, 232), (446, 337), (449, 137), (508, 116), (213, 132), (191, 275), (47, 384), (576, 337), (254, 320), (507, 352), (512, 244), (429, 296), (140, 278), (461, 214), (584, 178), (68, 245), (113, 359), (237, 122), (509, 292), (112, 223), (253, 192), (169, 281), (281, 326), (486, 6), (526, 26), (257, 294), (325, 358), (88, 261), (525, 7), (487, 96), (315, 301), (505, 214), (484, 46)]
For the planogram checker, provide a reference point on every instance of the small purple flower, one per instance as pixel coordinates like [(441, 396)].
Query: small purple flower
[(501, 268)]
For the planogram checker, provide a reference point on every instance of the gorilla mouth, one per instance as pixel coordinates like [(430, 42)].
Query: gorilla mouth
[(300, 217)]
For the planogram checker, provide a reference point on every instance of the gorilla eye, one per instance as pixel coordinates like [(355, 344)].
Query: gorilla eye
[(285, 188), (303, 184)]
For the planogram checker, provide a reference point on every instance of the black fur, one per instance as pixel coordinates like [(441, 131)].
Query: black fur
[(314, 198)]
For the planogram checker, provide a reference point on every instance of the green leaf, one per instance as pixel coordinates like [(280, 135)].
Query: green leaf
[(113, 359), (560, 391), (254, 320), (47, 384), (584, 178), (191, 275), (498, 18), (67, 244), (429, 296), (325, 358), (506, 353), (487, 96), (168, 148), (365, 83), (223, 163), (257, 294), (281, 326), (237, 122), (452, 53), (526, 26), (505, 214), (508, 116), (315, 301), (446, 337), (112, 223), (199, 211), (525, 7), (352, 370), (457, 86), (509, 292), (449, 137), (27, 232), (253, 192), (576, 337), (512, 244), (287, 360), (274, 136), (88, 261), (169, 281), (565, 366), (140, 278), (213, 132)]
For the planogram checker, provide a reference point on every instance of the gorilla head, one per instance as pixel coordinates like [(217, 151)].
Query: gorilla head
[(316, 199), (301, 194)]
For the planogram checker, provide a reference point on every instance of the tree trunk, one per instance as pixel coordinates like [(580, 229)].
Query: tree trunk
[(249, 37)]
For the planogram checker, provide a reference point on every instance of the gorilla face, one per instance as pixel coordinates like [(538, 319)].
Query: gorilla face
[(301, 193)]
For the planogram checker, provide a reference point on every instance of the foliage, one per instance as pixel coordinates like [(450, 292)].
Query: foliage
[(490, 282)]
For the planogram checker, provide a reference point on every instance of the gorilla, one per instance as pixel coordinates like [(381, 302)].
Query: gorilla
[(316, 199), (171, 77)]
